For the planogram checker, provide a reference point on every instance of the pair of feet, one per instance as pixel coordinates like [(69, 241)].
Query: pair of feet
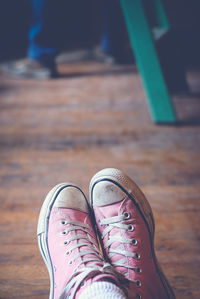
[(109, 240), (35, 69)]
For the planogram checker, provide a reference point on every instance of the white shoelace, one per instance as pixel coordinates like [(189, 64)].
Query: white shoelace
[(116, 222), (98, 265)]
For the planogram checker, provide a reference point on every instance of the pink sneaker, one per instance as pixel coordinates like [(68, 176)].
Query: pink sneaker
[(125, 225), (68, 243)]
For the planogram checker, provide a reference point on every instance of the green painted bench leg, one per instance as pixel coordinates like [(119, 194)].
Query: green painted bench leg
[(162, 20), (147, 60)]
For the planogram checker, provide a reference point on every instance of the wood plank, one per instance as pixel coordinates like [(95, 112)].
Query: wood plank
[(67, 130)]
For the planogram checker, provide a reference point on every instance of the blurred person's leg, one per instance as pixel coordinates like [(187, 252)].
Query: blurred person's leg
[(43, 43), (115, 40)]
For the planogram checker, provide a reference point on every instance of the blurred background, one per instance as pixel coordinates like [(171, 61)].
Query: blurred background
[(94, 115), (74, 23)]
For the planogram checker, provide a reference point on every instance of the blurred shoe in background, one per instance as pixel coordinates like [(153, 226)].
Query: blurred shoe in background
[(29, 68)]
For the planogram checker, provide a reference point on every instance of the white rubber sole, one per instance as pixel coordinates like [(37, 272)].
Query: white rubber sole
[(136, 195)]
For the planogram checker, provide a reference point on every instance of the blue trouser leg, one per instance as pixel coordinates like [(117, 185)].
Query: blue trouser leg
[(42, 46), (44, 29), (114, 35)]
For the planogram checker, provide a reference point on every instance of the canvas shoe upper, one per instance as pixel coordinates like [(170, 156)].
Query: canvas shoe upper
[(126, 228), (68, 244)]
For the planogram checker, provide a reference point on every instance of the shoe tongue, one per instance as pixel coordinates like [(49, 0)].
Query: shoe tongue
[(70, 214), (110, 210), (88, 256), (89, 244)]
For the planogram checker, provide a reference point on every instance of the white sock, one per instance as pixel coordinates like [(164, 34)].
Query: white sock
[(102, 290)]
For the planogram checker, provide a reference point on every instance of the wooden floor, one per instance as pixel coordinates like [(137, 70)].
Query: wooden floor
[(95, 116)]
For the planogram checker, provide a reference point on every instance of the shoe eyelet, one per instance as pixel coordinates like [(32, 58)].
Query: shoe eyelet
[(138, 270), (100, 222), (138, 296), (66, 243), (137, 256), (126, 215), (83, 284), (64, 232), (138, 283), (67, 253), (134, 241), (63, 222), (70, 263), (131, 227)]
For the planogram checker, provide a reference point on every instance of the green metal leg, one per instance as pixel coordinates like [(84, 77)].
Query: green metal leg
[(162, 20), (147, 60)]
